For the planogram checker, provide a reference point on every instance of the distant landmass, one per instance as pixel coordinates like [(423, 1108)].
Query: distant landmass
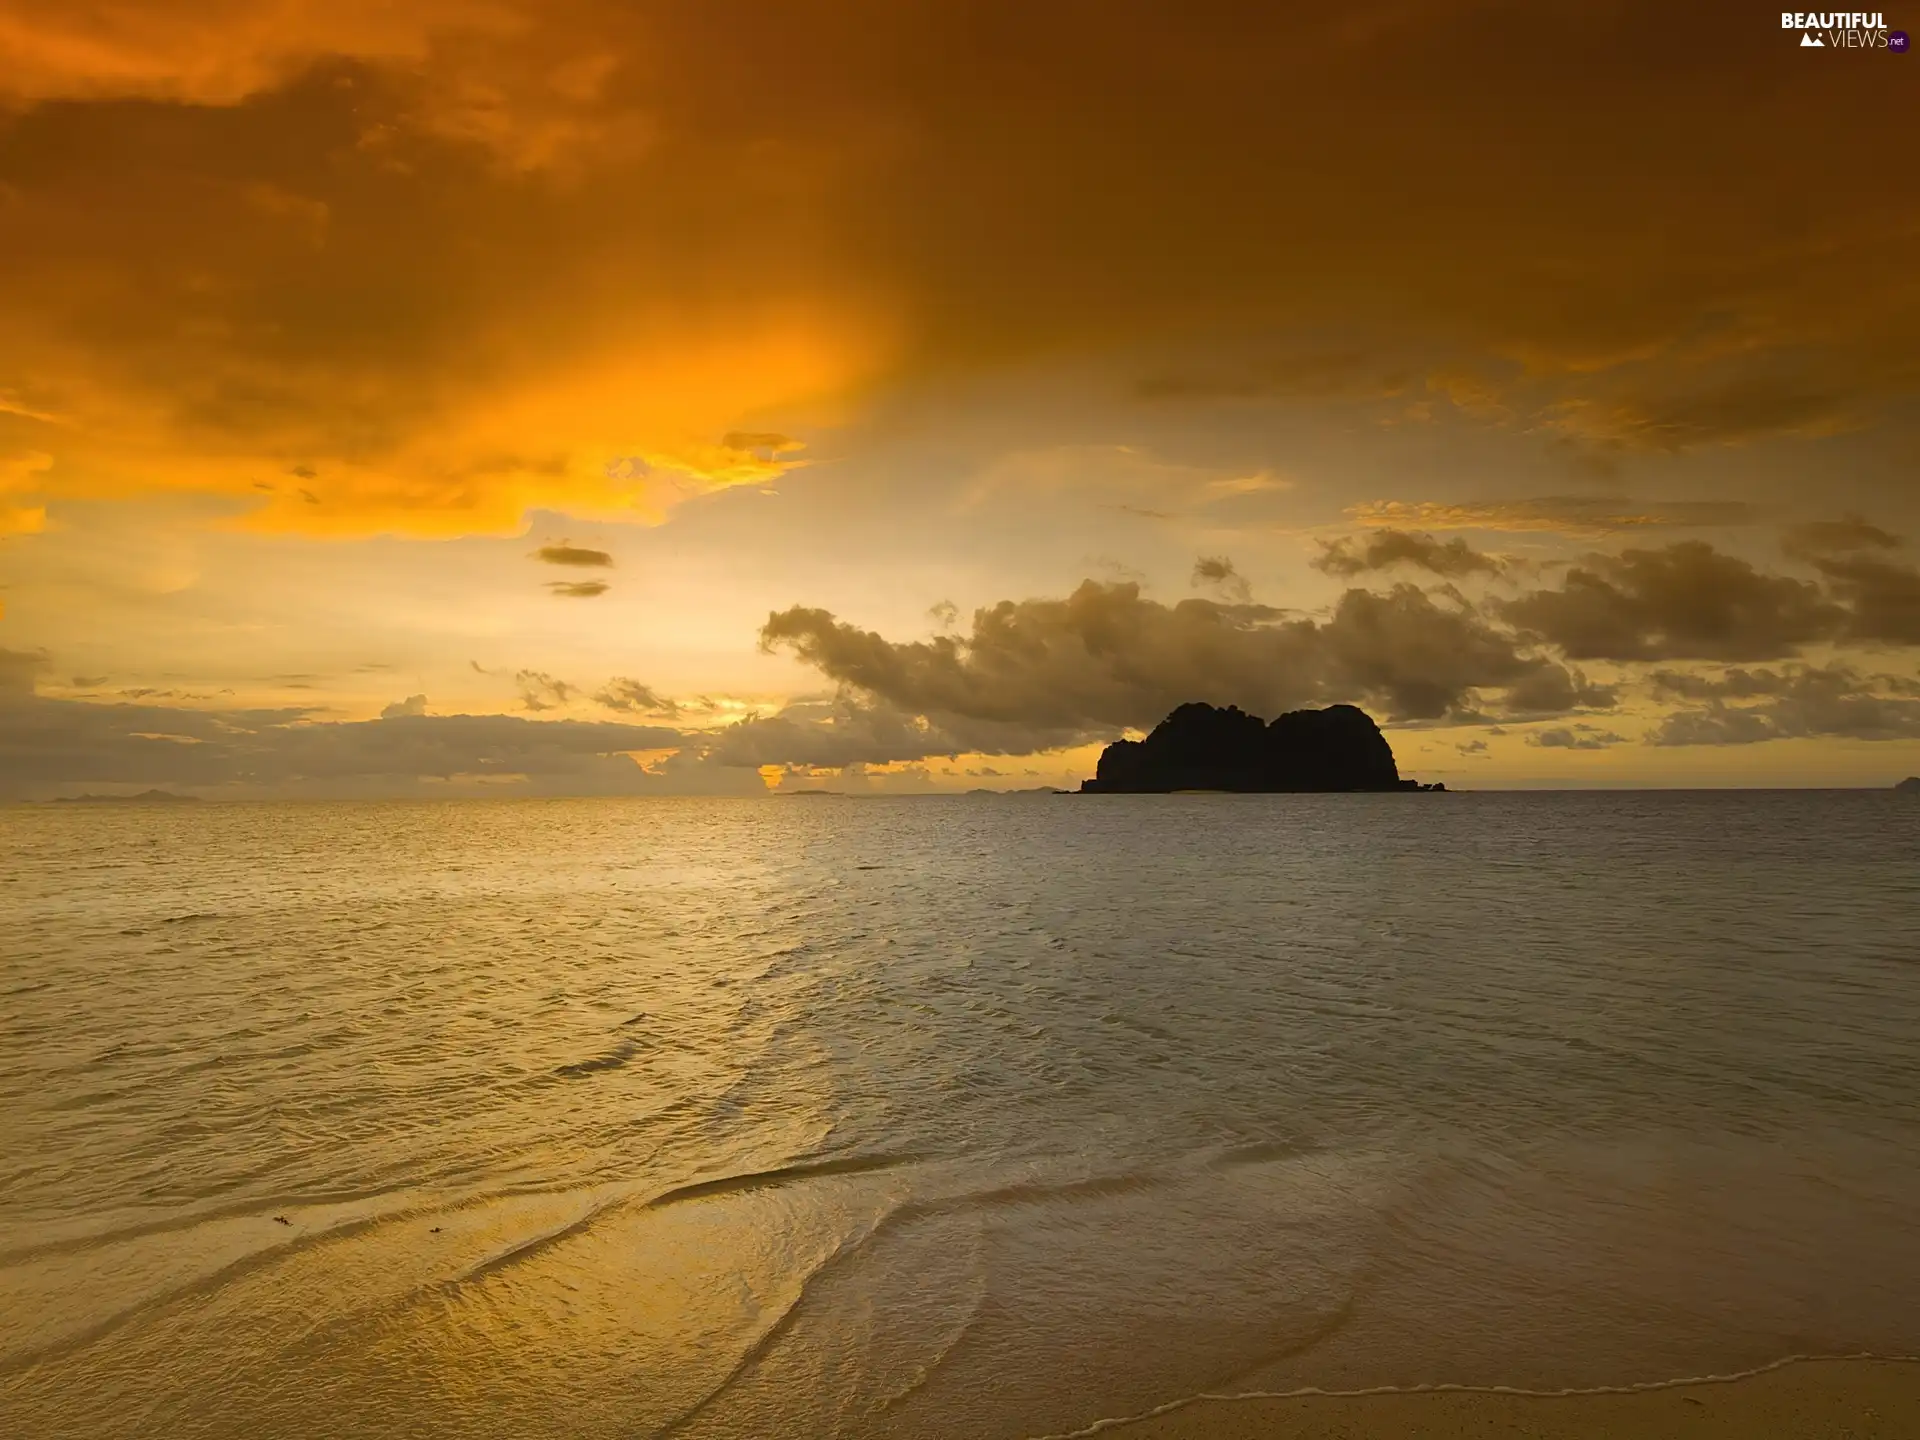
[(1911, 784), (1202, 747), (145, 797)]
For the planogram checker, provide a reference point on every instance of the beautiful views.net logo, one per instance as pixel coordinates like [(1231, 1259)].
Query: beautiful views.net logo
[(1852, 30)]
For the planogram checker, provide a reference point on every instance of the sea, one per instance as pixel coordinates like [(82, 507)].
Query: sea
[(971, 1116)]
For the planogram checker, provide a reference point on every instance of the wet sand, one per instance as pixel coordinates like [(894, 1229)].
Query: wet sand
[(1807, 1400)]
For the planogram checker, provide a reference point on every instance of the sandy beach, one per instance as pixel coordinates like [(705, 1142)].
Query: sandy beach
[(1841, 1399)]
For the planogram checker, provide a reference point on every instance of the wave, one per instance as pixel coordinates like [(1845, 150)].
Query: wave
[(762, 1344), (533, 1245), (204, 1283), (784, 1175), (612, 1060)]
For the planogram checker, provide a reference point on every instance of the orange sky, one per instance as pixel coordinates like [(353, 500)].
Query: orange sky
[(1541, 377)]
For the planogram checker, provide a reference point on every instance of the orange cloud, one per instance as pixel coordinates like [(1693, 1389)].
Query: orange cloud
[(212, 52), (466, 259), (19, 477), (1558, 514)]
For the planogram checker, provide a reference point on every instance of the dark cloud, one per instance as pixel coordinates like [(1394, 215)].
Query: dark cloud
[(1218, 571), (564, 553), (88, 682), (1555, 690), (578, 589), (1730, 684), (1472, 747), (631, 696), (1826, 537), (1418, 657), (1797, 702), (540, 691), (831, 734), (1039, 673), (1455, 559), (1684, 601), (1575, 737), (1883, 596), (45, 744)]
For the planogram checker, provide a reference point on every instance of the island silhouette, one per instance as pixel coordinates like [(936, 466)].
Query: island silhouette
[(1911, 784), (1205, 747)]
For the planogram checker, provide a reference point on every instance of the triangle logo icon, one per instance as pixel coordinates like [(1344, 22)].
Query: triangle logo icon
[(1812, 42)]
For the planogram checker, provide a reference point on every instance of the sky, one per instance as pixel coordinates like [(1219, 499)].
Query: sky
[(703, 397)]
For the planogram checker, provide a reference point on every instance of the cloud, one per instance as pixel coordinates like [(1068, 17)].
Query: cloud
[(1040, 673), (1575, 737), (1454, 559), (692, 771), (341, 302), (763, 444), (1125, 478), (1561, 514), (20, 476), (1684, 601), (831, 734), (46, 744), (626, 695), (1674, 419), (1218, 571), (540, 691), (1882, 595), (455, 258), (578, 589), (1472, 747), (213, 53), (1796, 702), (564, 553), (1332, 375), (1826, 537), (1555, 690)]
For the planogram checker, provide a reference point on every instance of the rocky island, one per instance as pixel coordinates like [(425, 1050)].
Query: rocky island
[(1911, 785), (1203, 747)]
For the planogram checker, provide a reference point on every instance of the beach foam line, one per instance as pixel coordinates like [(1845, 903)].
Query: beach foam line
[(1310, 1392)]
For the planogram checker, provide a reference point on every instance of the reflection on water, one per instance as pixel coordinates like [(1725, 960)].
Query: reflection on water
[(969, 1117)]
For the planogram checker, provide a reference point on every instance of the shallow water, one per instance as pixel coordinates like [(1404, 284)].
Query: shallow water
[(940, 1117)]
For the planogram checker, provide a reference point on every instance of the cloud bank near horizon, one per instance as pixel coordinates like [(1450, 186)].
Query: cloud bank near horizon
[(1677, 631)]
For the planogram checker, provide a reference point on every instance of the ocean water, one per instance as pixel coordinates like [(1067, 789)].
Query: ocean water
[(953, 1117)]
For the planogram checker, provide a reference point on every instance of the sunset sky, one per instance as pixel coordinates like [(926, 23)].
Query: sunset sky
[(559, 397)]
